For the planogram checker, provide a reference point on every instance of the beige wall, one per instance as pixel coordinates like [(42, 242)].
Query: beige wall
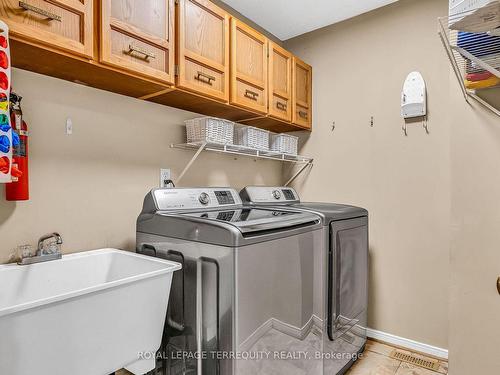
[(423, 191), (359, 68), (475, 252), (89, 186)]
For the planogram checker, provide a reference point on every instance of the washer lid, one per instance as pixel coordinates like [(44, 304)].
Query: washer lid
[(249, 220)]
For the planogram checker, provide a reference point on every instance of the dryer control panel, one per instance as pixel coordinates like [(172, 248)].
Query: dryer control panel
[(269, 195), (195, 198)]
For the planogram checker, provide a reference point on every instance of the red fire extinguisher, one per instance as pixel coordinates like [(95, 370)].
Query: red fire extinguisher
[(18, 189)]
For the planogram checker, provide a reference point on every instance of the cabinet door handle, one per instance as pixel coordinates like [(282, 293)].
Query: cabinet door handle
[(251, 94), (40, 11), (303, 114), (281, 106), (141, 51), (205, 78)]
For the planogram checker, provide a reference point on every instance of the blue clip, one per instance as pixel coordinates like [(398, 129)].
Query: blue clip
[(4, 127), (4, 144)]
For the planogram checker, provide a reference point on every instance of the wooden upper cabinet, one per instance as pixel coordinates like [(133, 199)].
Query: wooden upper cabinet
[(65, 25), (138, 36), (280, 82), (302, 93), (248, 67), (203, 49)]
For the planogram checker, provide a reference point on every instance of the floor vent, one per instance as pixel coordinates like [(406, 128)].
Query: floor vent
[(415, 360)]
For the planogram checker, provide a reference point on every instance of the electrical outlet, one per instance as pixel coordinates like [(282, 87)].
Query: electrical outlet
[(164, 176)]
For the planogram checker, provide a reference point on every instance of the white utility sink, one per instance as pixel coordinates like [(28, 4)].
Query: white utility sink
[(88, 313)]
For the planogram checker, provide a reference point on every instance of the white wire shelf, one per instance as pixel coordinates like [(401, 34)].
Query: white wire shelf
[(472, 43), (243, 151), (199, 147)]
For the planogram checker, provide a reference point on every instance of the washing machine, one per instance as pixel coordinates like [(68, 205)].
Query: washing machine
[(249, 297), (345, 241)]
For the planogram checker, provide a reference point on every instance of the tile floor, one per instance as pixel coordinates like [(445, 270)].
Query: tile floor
[(376, 361)]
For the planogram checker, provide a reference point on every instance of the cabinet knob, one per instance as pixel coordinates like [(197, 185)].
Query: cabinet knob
[(281, 106), (141, 51), (40, 11), (498, 285), (205, 78), (251, 94)]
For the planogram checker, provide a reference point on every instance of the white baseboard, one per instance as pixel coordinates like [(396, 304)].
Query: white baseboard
[(407, 343), (300, 333)]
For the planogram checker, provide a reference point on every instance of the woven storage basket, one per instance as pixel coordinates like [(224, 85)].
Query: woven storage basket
[(285, 143), (210, 129), (253, 137)]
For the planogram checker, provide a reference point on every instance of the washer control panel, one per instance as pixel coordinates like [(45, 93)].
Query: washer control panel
[(188, 199), (269, 195), (224, 197)]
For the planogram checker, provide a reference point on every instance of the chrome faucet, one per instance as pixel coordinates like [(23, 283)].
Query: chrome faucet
[(41, 249), (43, 254)]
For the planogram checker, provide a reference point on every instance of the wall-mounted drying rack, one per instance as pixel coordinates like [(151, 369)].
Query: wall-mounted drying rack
[(472, 43), (238, 150)]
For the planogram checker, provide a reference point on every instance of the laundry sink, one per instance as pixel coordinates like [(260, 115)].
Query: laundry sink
[(89, 313)]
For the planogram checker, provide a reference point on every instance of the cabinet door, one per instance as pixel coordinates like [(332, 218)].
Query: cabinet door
[(138, 36), (280, 82), (66, 25), (248, 67), (302, 93), (203, 49)]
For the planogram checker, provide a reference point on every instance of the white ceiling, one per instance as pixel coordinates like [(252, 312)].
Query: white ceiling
[(288, 18)]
